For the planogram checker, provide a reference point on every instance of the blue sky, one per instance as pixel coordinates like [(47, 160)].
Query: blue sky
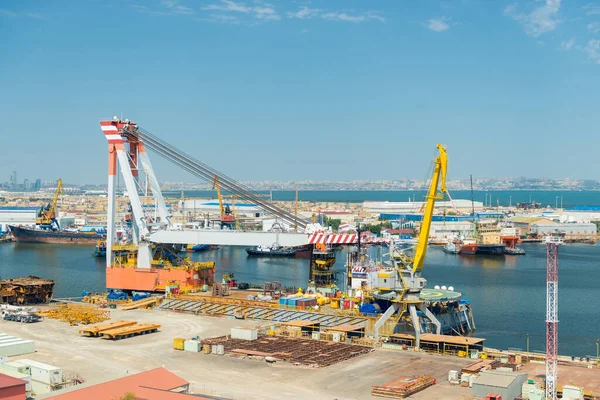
[(293, 90)]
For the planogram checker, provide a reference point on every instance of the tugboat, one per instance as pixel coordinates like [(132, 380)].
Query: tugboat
[(271, 251), (468, 247), (100, 250), (451, 247)]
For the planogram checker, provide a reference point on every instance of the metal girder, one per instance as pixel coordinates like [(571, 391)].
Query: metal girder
[(228, 237)]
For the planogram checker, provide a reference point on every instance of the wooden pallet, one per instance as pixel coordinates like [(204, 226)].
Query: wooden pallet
[(94, 331), (129, 331), (149, 302)]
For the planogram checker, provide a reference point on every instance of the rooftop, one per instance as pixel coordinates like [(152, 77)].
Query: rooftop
[(526, 220), (498, 379), (300, 322), (150, 384), (431, 337), (8, 381), (346, 328)]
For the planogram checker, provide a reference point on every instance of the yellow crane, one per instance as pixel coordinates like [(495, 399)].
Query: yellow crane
[(47, 215), (227, 217), (403, 285)]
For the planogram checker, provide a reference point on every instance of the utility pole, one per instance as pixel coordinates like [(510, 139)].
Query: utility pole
[(552, 243), (527, 343)]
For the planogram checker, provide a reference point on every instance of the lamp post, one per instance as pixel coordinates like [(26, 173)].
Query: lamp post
[(527, 343), (597, 352)]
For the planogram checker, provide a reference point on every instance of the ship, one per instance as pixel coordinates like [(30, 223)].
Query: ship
[(488, 239), (28, 290), (100, 250), (451, 247), (271, 251), (467, 246), (22, 234), (508, 236)]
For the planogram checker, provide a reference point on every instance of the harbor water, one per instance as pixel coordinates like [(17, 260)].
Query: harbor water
[(507, 292)]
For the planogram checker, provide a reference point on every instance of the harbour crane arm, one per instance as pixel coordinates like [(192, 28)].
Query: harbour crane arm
[(439, 171), (49, 215), (218, 188)]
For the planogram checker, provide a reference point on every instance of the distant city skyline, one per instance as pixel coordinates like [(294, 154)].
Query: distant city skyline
[(327, 90)]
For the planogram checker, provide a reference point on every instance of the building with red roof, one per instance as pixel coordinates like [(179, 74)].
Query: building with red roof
[(12, 388), (155, 384)]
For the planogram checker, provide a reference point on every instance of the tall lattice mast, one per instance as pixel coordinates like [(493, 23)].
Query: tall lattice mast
[(552, 243)]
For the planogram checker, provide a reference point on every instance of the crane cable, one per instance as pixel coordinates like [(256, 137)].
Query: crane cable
[(207, 173)]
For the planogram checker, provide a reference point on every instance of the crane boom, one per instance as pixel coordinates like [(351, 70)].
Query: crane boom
[(216, 186), (439, 171), (47, 216)]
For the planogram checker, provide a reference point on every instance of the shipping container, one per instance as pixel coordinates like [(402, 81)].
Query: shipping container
[(16, 367), (44, 373), (178, 343), (40, 388), (17, 348), (244, 333), (192, 345)]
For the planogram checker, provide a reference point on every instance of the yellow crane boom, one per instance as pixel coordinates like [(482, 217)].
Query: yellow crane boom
[(439, 171), (218, 188)]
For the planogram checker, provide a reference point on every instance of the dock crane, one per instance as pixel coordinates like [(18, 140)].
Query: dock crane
[(46, 217), (225, 212), (403, 285)]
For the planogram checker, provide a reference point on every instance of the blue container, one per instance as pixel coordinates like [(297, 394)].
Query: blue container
[(283, 301)]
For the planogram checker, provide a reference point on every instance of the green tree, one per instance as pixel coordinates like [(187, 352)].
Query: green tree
[(128, 396), (334, 223)]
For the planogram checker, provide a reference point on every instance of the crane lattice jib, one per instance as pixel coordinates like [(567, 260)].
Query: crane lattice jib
[(439, 171)]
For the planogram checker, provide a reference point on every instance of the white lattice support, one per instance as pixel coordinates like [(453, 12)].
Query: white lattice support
[(551, 317)]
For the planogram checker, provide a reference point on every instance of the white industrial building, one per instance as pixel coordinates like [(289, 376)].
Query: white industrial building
[(572, 229), (17, 216), (203, 206), (450, 229), (506, 384), (411, 207)]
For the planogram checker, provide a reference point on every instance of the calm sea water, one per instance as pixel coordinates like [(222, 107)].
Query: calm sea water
[(501, 197), (507, 293)]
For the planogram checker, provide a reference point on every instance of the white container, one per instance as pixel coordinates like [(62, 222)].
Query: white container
[(16, 366), (192, 345), (44, 373), (316, 335), (244, 333), (337, 337), (39, 388), (465, 378), (452, 376), (16, 348), (213, 349), (18, 375), (220, 350), (504, 369), (472, 380), (571, 392)]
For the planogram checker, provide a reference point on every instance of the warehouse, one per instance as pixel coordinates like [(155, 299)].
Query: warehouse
[(506, 384), (17, 216), (568, 230)]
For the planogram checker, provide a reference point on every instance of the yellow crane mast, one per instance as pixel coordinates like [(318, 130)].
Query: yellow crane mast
[(227, 217), (403, 285), (47, 215)]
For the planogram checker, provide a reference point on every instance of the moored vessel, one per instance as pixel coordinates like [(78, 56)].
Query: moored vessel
[(271, 251), (21, 234)]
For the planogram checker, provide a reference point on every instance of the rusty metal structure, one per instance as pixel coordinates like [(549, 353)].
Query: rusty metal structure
[(28, 290), (309, 352)]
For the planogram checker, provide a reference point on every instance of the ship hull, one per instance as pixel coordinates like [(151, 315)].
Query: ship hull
[(40, 236), (491, 249), (156, 279), (282, 253), (468, 249)]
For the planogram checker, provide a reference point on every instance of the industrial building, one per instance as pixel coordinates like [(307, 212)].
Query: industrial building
[(17, 216), (158, 383), (570, 230), (409, 207), (12, 388), (509, 385), (523, 224)]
